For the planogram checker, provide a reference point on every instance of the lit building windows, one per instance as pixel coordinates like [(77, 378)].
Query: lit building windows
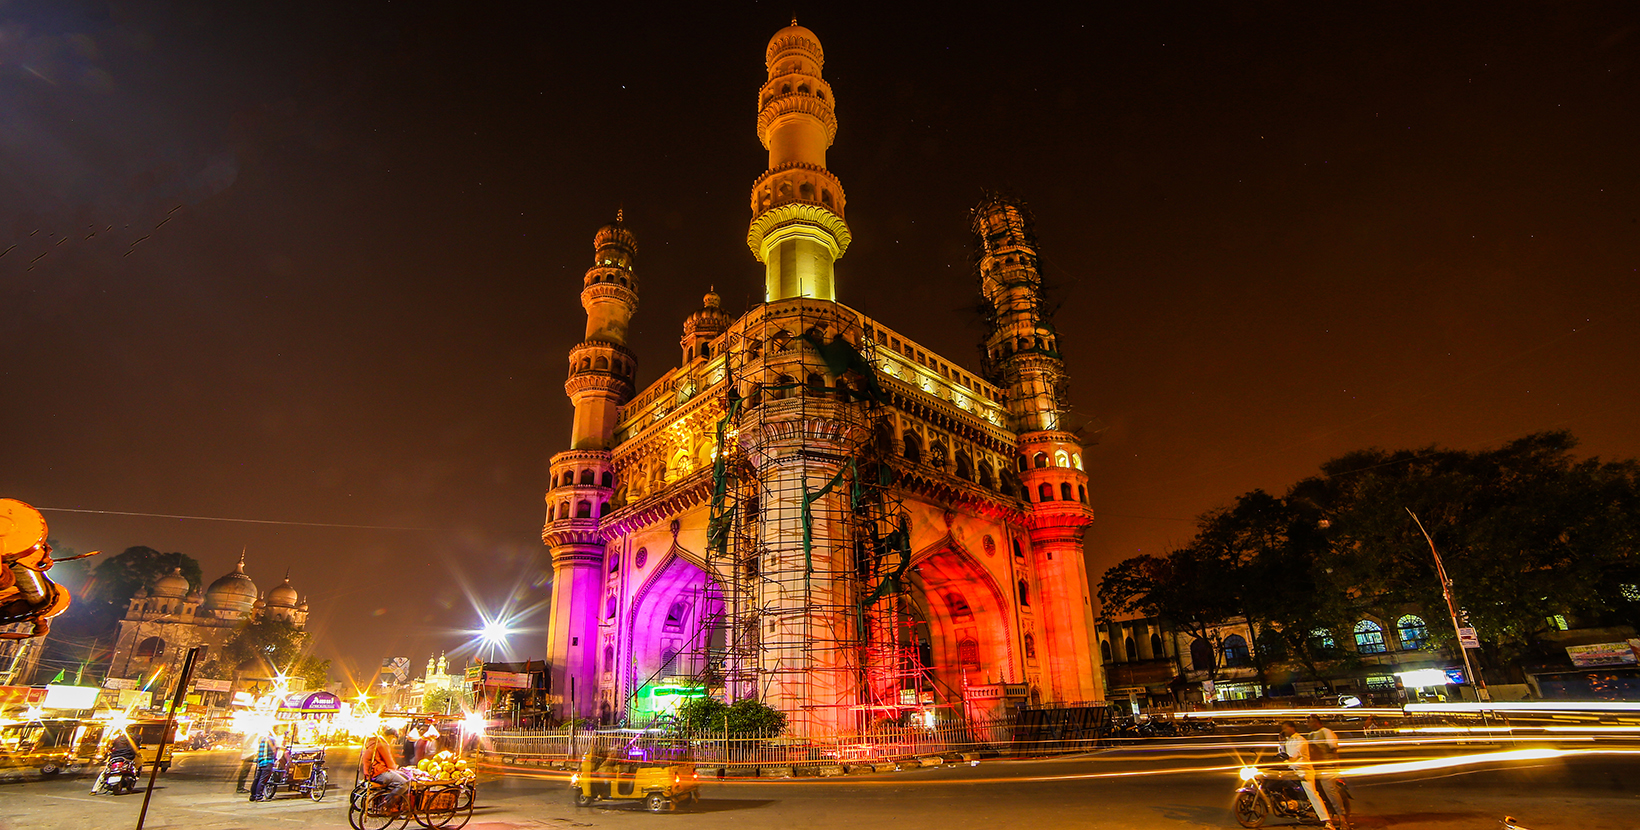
[(1412, 631), (1369, 638)]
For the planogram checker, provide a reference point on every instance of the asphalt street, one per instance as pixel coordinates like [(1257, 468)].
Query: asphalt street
[(1163, 787)]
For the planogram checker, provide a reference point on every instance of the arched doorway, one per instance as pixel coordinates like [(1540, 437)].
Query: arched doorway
[(673, 631), (969, 625)]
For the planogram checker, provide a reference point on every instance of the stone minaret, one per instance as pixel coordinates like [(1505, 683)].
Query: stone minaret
[(601, 373), (1022, 356), (797, 227)]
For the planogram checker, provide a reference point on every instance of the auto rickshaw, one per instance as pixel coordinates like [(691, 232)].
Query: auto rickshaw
[(660, 784), (53, 745), (145, 735)]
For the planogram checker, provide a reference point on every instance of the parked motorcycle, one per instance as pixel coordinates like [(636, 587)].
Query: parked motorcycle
[(120, 776), (1279, 793)]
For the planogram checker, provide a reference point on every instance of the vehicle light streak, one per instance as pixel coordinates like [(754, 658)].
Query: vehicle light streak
[(1527, 706)]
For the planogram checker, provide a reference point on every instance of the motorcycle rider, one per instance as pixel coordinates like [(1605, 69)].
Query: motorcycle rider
[(1324, 750), (1297, 752), (119, 749)]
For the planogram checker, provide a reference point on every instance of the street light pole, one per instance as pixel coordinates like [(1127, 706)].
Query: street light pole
[(1446, 591)]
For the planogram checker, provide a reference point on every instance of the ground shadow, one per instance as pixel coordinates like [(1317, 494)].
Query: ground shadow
[(705, 805)]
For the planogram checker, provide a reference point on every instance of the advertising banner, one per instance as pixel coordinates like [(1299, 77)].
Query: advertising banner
[(506, 680), (205, 684), (120, 683), (1601, 654)]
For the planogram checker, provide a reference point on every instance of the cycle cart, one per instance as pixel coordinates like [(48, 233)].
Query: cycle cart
[(303, 772), (433, 803)]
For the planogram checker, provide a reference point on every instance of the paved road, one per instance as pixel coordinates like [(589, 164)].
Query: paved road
[(1122, 790)]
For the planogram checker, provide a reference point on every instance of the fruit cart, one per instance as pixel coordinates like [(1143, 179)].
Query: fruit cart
[(441, 794)]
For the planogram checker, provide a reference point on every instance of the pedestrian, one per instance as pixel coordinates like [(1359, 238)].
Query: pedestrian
[(267, 751), (1299, 760), (426, 746), (1324, 751), (247, 759)]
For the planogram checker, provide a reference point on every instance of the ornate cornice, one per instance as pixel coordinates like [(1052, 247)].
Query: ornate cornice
[(570, 533), (608, 291), (945, 489), (681, 495), (598, 380), (796, 103), (798, 212)]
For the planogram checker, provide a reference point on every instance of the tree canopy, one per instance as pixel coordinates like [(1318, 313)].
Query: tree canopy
[(1527, 531), (743, 718), (276, 646)]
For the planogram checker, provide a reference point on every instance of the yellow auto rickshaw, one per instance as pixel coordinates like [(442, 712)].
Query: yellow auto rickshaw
[(660, 784), (145, 735), (52, 745)]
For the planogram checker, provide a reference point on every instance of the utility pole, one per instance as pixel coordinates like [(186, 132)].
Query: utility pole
[(1475, 680)]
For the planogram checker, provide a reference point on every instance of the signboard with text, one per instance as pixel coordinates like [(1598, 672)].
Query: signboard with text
[(1602, 654), (1467, 638), (506, 680)]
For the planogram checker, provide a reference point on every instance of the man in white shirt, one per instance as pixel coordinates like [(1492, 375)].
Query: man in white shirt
[(1324, 752), (1299, 760)]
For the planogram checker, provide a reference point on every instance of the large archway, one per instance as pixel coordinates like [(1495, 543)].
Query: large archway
[(672, 630), (969, 622)]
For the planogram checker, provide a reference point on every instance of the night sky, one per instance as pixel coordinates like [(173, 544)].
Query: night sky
[(320, 262)]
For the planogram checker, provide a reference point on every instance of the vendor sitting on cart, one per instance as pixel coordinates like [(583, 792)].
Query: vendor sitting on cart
[(377, 764)]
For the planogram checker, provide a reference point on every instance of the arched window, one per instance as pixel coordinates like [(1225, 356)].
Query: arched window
[(754, 398), (602, 506), (609, 659), (1030, 646), (958, 604), (586, 476), (563, 509), (1156, 650), (1018, 553), (1369, 638), (1076, 460), (1104, 650), (816, 385), (601, 363), (783, 386), (677, 615), (1132, 649), (607, 480), (1082, 494), (965, 466), (1023, 463), (1234, 650), (1201, 654), (609, 609), (614, 562), (1024, 593), (987, 476), (1065, 491), (1061, 459), (586, 363), (1039, 460), (150, 649), (1044, 492), (913, 447), (583, 509), (706, 350), (937, 454), (968, 653), (1412, 631), (669, 655)]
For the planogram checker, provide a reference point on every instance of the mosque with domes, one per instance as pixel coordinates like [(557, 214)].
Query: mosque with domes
[(811, 509), (167, 618)]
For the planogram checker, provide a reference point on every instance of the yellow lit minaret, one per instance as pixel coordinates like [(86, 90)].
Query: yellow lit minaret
[(797, 227)]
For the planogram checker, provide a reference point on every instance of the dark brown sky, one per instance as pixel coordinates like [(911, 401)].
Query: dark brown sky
[(1283, 231)]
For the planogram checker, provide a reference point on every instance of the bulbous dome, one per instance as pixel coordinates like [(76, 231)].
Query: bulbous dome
[(794, 38), (233, 592), (615, 235), (171, 586), (283, 596)]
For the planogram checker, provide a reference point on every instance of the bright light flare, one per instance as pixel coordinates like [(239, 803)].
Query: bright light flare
[(1249, 773)]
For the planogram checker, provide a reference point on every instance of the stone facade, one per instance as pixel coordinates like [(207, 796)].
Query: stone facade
[(813, 509)]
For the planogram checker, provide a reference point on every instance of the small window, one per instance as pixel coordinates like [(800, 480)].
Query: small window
[(677, 615), (1104, 650), (1061, 459), (1044, 492), (1369, 638), (1558, 623), (1234, 650), (586, 476), (1156, 650), (1030, 646), (609, 609), (614, 562), (1024, 594), (1065, 492), (607, 480), (583, 509), (1040, 460), (968, 653), (1131, 648), (1321, 641)]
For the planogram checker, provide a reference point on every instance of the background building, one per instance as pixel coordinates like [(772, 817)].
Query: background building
[(812, 509), (167, 618)]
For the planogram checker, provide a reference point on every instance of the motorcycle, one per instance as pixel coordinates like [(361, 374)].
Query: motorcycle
[(1280, 794), (120, 776)]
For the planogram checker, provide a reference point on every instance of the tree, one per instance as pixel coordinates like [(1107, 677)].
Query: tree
[(276, 646), (744, 718), (102, 588)]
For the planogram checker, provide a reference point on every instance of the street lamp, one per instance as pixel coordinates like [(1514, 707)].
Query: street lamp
[(494, 633), (1457, 628)]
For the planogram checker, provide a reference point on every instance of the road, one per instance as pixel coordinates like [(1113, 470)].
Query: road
[(1186, 786)]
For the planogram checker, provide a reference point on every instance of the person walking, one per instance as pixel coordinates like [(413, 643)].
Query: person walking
[(247, 759), (267, 751), (1324, 752), (1299, 760)]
